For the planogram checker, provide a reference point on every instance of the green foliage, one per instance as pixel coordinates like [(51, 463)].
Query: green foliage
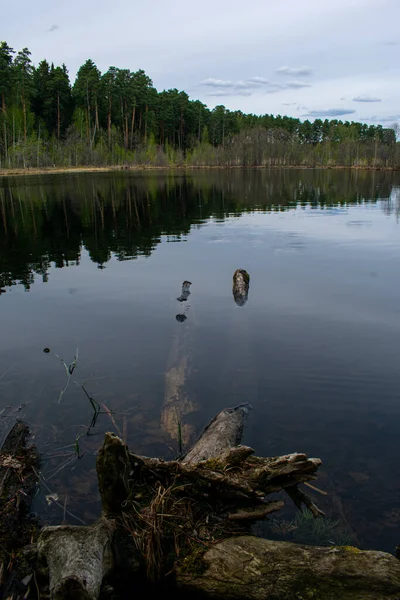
[(118, 117)]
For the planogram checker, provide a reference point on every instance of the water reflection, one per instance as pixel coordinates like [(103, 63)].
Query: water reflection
[(314, 349), (46, 221)]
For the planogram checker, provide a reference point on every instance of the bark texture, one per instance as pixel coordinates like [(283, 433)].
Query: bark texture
[(256, 569)]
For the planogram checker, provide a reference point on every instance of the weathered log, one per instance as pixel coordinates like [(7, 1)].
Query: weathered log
[(240, 289), (256, 569), (78, 558), (124, 479), (215, 468), (18, 482), (224, 432)]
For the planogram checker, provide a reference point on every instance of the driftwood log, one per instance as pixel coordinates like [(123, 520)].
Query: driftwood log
[(191, 517)]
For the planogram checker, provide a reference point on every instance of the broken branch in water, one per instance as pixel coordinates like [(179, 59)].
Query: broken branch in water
[(69, 369), (109, 413)]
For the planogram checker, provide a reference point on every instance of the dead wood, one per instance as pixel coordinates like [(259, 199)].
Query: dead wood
[(18, 483), (167, 509)]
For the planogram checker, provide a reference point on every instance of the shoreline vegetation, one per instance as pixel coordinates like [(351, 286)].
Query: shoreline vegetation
[(16, 172), (118, 118)]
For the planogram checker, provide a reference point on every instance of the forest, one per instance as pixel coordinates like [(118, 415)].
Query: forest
[(119, 118)]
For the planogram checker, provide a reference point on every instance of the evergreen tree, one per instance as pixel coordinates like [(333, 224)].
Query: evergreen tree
[(6, 85)]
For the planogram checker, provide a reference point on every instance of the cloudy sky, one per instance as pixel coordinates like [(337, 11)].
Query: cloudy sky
[(304, 58)]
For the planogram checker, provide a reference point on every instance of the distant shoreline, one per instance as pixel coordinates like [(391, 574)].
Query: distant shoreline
[(137, 168)]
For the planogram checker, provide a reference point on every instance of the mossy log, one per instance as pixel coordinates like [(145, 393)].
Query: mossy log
[(256, 569)]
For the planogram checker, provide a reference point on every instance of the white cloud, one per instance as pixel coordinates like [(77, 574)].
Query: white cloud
[(259, 80), (228, 92), (211, 82)]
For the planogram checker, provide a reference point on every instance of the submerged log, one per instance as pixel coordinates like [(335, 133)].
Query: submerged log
[(177, 403), (257, 569)]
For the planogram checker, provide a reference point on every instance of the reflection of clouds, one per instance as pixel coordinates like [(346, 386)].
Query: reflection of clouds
[(292, 244), (330, 224), (359, 223), (362, 223)]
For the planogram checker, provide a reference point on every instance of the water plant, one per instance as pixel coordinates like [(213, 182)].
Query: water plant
[(306, 529)]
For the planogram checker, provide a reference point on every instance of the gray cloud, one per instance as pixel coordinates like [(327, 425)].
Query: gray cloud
[(330, 112), (296, 71), (366, 99), (382, 119), (295, 85), (53, 28), (247, 87)]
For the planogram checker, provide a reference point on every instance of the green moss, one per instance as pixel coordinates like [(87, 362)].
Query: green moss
[(213, 464), (352, 549), (194, 563)]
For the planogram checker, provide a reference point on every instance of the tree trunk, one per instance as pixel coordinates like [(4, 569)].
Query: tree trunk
[(58, 116), (132, 125), (109, 122), (88, 125), (145, 125), (24, 114), (4, 109)]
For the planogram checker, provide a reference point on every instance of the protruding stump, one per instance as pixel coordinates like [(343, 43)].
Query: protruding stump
[(241, 282)]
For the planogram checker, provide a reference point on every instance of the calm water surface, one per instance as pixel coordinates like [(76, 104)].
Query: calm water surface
[(96, 262)]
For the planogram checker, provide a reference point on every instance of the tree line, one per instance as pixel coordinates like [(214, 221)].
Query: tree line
[(119, 118)]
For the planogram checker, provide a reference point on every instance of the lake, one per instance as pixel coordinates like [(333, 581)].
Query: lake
[(96, 262)]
